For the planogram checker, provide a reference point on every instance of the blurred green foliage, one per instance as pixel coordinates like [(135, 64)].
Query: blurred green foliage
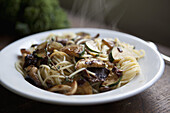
[(31, 16)]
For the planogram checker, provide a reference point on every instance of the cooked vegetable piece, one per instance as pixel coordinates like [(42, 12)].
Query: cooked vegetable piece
[(92, 53), (82, 41), (25, 51), (116, 54), (115, 83), (30, 60), (55, 45), (69, 35), (89, 62), (65, 89), (74, 50), (114, 78), (104, 88), (84, 88), (101, 73), (117, 71), (60, 88), (41, 53), (63, 41), (42, 46), (109, 43), (32, 73), (91, 45), (82, 34)]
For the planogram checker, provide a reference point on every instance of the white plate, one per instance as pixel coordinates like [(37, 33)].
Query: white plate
[(152, 67)]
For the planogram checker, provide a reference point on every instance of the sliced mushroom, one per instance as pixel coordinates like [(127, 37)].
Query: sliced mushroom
[(55, 45), (32, 73), (62, 41), (30, 60), (89, 62), (84, 88), (108, 42), (82, 34), (65, 89), (40, 51), (74, 50), (101, 73), (42, 46), (69, 35), (24, 53), (60, 88)]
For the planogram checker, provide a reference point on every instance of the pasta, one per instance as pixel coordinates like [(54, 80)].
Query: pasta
[(79, 64)]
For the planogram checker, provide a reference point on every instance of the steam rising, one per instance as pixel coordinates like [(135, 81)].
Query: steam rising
[(96, 13)]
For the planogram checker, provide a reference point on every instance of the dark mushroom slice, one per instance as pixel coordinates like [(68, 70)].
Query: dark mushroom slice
[(30, 59), (74, 50), (32, 73), (101, 73)]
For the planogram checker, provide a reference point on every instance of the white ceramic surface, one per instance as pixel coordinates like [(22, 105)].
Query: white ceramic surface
[(152, 67)]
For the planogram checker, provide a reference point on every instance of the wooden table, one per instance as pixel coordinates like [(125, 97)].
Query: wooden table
[(155, 99)]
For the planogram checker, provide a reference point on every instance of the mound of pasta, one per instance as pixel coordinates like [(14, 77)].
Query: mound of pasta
[(79, 64)]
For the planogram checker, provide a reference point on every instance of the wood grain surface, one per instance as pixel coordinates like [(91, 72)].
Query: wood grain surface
[(155, 99)]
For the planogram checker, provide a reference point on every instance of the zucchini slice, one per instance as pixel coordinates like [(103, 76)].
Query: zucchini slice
[(115, 83), (115, 55), (91, 45)]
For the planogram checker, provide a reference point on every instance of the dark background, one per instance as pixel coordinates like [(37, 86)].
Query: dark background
[(147, 19)]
